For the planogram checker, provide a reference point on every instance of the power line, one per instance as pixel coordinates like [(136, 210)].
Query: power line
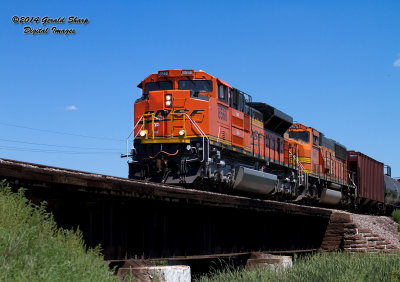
[(35, 150), (60, 132), (58, 146)]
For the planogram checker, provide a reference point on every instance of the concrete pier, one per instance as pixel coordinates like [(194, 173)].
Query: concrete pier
[(174, 273)]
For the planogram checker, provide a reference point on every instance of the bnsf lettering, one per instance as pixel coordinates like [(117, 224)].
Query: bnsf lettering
[(181, 111), (162, 113), (165, 113), (222, 113), (196, 112)]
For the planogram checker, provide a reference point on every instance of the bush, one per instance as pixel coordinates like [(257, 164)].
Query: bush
[(321, 267), (33, 248), (396, 217)]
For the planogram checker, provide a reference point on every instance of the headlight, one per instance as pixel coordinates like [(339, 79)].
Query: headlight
[(168, 100), (143, 133), (181, 132)]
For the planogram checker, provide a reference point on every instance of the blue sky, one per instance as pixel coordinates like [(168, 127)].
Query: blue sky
[(332, 65)]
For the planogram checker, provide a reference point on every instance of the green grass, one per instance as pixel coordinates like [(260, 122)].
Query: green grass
[(396, 217), (32, 248), (321, 267)]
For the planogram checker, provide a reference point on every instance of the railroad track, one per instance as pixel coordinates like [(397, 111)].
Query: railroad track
[(22, 172)]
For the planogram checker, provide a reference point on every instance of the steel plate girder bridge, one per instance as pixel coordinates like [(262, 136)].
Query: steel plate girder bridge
[(139, 220)]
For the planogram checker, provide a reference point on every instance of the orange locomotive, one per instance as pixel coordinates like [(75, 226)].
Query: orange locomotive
[(196, 130)]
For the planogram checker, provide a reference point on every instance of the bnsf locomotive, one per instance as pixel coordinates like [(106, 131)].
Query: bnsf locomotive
[(195, 130)]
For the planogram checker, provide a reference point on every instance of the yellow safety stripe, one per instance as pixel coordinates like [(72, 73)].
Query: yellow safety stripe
[(305, 160), (158, 140), (257, 123), (216, 139)]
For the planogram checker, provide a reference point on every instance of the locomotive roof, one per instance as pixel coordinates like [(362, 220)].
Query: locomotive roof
[(164, 74), (325, 141), (274, 119)]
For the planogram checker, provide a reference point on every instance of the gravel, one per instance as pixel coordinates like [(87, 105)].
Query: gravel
[(382, 225)]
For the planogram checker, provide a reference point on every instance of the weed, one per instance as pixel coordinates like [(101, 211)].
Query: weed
[(321, 267), (396, 217), (33, 248)]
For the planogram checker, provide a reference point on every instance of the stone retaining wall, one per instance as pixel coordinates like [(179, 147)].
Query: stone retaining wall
[(333, 239), (343, 234), (358, 239)]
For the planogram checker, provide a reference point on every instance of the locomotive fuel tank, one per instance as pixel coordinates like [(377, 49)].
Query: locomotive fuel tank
[(331, 196), (254, 181)]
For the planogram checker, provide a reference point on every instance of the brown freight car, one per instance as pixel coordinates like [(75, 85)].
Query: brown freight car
[(368, 179)]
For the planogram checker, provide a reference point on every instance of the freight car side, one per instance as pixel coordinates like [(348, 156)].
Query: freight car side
[(369, 180)]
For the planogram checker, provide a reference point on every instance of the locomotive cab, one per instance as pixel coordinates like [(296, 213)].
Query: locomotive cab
[(325, 160), (171, 126)]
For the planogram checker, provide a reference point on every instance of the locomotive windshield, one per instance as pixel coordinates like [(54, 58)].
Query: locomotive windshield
[(156, 86), (300, 135), (196, 85)]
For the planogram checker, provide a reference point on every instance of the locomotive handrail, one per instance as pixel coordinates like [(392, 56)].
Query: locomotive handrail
[(204, 136), (153, 116), (129, 136), (133, 130), (302, 169), (297, 161), (172, 122)]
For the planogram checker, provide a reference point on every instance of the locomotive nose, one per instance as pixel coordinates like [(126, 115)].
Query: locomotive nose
[(168, 99), (169, 117)]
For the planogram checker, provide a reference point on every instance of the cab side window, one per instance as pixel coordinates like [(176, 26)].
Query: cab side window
[(222, 93), (315, 140), (236, 99)]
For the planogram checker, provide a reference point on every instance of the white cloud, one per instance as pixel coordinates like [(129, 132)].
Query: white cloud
[(71, 108), (396, 63)]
